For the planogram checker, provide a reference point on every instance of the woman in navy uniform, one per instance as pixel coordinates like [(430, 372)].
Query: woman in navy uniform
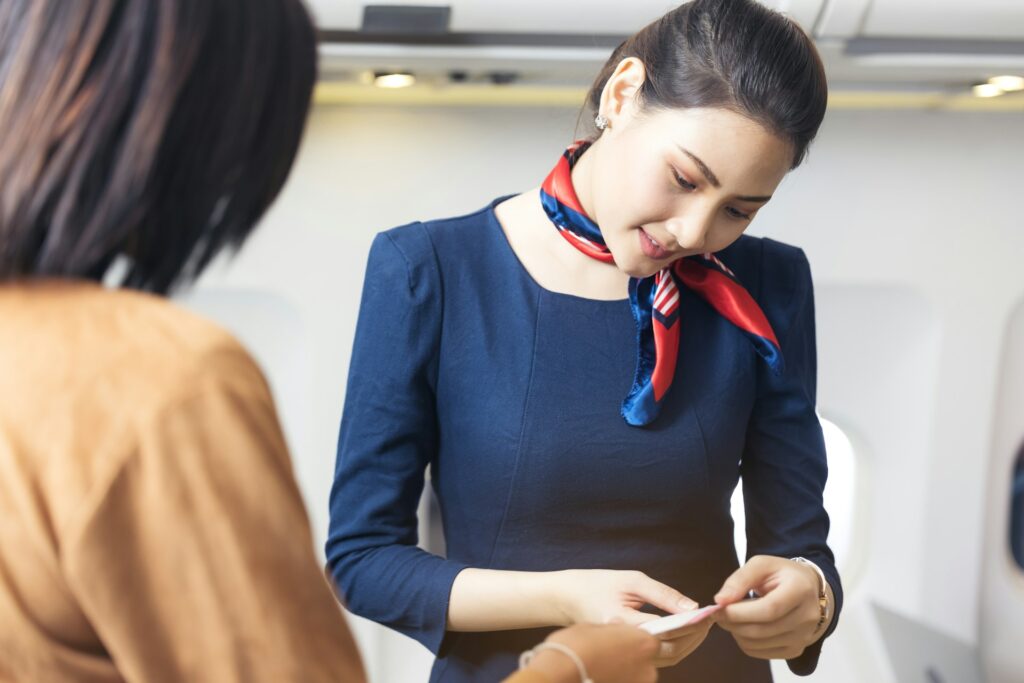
[(589, 368)]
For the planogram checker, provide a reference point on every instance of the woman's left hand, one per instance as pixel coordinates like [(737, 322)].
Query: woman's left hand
[(784, 620)]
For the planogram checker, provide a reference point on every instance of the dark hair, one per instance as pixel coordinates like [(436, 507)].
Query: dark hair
[(156, 130), (733, 54)]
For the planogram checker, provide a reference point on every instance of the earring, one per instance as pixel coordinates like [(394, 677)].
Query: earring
[(601, 121)]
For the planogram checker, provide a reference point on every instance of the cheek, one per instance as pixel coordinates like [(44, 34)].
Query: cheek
[(633, 187), (612, 202), (635, 198), (725, 234)]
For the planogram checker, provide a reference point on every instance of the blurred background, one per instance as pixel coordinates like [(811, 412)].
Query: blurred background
[(911, 211)]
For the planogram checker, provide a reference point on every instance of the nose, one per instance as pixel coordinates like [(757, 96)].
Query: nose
[(690, 230)]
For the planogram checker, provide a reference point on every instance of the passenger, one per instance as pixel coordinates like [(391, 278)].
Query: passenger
[(151, 528)]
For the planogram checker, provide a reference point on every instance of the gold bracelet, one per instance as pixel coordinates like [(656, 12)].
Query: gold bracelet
[(823, 606)]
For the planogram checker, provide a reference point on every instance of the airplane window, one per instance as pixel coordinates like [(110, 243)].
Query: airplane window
[(1017, 512), (839, 495)]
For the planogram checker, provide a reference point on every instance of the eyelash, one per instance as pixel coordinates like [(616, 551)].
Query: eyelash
[(689, 187)]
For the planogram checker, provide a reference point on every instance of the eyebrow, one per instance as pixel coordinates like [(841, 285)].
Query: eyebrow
[(713, 179)]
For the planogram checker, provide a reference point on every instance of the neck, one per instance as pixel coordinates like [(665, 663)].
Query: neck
[(582, 174)]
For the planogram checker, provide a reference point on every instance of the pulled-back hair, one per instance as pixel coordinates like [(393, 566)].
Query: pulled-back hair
[(732, 54), (158, 130)]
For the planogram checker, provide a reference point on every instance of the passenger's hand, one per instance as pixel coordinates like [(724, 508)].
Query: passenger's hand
[(781, 623), (615, 653), (676, 645), (600, 596)]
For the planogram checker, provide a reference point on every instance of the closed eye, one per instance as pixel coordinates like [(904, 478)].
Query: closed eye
[(682, 182), (737, 214), (732, 212)]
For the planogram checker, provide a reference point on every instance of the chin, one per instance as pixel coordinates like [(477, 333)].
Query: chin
[(635, 263), (641, 267)]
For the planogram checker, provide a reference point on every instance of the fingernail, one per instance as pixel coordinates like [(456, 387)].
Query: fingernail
[(687, 604)]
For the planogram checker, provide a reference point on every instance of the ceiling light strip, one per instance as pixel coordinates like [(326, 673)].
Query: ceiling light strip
[(484, 95)]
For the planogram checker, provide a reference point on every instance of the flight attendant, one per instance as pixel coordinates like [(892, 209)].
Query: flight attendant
[(590, 367)]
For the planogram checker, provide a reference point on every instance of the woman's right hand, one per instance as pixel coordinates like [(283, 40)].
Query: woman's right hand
[(496, 600), (604, 596), (614, 653)]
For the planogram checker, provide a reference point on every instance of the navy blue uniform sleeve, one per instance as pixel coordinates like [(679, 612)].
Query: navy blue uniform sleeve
[(388, 438), (784, 467)]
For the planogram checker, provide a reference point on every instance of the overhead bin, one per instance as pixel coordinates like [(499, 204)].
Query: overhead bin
[(538, 16)]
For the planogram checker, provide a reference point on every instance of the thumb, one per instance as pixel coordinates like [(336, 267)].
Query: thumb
[(661, 596), (740, 583)]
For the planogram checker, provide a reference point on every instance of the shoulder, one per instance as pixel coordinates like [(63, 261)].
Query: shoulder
[(767, 267), (152, 352), (463, 232), (751, 252), (103, 366), (443, 238), (86, 330), (423, 249)]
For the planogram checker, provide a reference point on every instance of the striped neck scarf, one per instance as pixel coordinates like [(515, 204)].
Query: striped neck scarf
[(654, 300)]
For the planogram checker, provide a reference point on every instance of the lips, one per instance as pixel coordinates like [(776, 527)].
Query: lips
[(650, 247)]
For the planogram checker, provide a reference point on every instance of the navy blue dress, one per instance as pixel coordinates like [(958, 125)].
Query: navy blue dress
[(510, 394)]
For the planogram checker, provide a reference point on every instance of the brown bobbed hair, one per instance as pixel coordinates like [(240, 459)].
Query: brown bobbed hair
[(154, 130)]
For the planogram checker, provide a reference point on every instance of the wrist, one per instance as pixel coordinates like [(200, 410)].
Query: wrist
[(559, 585), (831, 607), (824, 595), (554, 666), (547, 590)]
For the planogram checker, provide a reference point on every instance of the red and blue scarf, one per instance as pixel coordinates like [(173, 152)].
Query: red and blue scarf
[(655, 299)]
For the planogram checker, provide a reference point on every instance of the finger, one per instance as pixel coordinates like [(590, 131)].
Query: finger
[(743, 580), (772, 607), (752, 626), (701, 626), (661, 596), (787, 639), (671, 652), (683, 641), (672, 656), (775, 653), (668, 649), (763, 631), (798, 619)]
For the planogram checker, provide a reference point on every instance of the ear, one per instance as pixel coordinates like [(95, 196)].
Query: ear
[(619, 97)]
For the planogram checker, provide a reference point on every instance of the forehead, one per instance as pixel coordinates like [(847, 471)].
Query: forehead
[(723, 139)]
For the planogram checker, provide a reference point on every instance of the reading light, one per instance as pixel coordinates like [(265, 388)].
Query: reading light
[(1007, 83), (393, 80), (987, 90)]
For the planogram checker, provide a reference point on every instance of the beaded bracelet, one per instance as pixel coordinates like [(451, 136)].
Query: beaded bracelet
[(527, 657)]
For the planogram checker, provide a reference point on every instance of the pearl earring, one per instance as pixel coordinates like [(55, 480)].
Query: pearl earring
[(601, 121)]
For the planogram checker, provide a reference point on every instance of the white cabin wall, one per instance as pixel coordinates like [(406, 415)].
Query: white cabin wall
[(899, 212)]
